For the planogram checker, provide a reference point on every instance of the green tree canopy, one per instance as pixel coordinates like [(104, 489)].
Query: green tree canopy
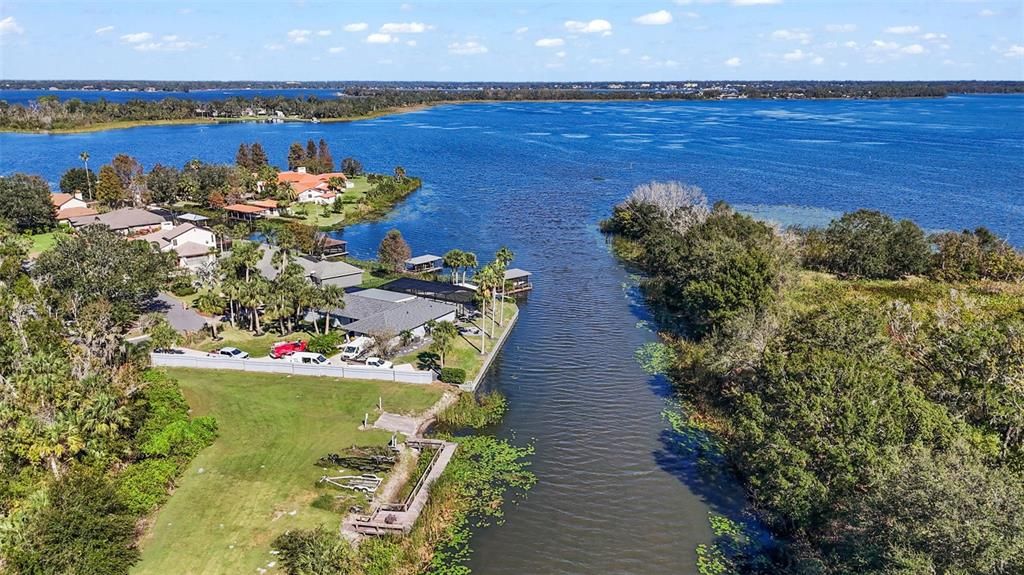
[(25, 202)]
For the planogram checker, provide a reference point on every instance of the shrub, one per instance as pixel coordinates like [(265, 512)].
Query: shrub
[(84, 529), (453, 375), (143, 486), (326, 343), (313, 551), (473, 412), (182, 286), (182, 438)]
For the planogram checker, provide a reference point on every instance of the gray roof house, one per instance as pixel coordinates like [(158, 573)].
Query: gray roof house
[(128, 221), (373, 311), (320, 272)]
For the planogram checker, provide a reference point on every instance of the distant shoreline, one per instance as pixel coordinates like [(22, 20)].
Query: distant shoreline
[(128, 124)]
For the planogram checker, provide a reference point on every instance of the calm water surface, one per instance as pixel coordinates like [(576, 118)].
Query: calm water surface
[(613, 496)]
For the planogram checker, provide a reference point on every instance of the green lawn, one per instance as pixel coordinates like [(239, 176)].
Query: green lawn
[(42, 242), (313, 214), (258, 479), (466, 352), (257, 346)]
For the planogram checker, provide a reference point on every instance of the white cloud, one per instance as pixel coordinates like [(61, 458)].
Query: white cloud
[(913, 49), (837, 28), (273, 47), (909, 29), (10, 26), (467, 48), (658, 18), (380, 39), (549, 43), (755, 2), (137, 37), (355, 27), (561, 53), (169, 38), (104, 30), (933, 36), (818, 61), (591, 27), (166, 46), (884, 46), (600, 61), (850, 44), (299, 36), (406, 7), (336, 49), (733, 62), (323, 32), (522, 30), (795, 56), (1014, 51), (410, 43), (624, 51), (404, 28), (798, 35), (987, 13)]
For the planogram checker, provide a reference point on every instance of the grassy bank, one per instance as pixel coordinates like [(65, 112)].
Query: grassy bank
[(258, 479)]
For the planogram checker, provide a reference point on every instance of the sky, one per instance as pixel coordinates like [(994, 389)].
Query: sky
[(513, 40)]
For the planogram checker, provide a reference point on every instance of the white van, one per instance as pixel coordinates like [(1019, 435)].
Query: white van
[(307, 358), (356, 347)]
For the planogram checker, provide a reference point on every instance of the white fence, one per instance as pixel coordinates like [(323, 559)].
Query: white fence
[(289, 368)]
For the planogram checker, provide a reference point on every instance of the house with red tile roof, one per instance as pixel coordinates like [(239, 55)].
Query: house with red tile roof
[(312, 188), (71, 206)]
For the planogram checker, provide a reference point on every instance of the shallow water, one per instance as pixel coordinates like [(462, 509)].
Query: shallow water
[(613, 497)]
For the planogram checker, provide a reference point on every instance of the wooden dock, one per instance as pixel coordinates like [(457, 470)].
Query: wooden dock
[(399, 518)]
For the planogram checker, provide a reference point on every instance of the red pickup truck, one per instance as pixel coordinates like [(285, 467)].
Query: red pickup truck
[(283, 348)]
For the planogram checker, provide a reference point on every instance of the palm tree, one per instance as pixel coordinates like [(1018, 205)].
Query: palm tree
[(88, 181), (502, 259), (232, 290), (331, 297), (486, 280), (469, 263), (453, 260), (252, 296)]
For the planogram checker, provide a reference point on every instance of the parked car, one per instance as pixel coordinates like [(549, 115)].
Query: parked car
[(308, 358), (379, 362), (356, 347), (283, 348), (169, 350), (471, 330), (232, 352)]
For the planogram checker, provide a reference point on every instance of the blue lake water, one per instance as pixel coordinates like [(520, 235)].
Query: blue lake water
[(614, 496)]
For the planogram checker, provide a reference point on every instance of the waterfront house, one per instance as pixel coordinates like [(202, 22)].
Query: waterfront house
[(332, 246), (193, 245), (127, 221), (245, 212), (270, 207), (314, 188), (375, 311), (71, 206), (425, 264), (318, 271), (517, 280)]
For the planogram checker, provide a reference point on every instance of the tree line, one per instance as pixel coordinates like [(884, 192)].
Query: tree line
[(876, 423), (49, 112), (91, 440)]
